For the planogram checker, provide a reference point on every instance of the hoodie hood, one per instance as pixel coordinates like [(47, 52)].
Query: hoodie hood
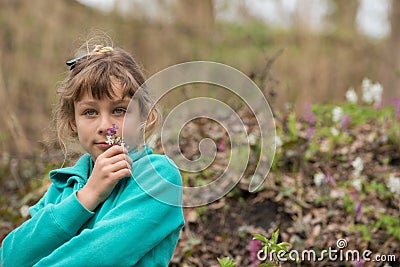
[(78, 174)]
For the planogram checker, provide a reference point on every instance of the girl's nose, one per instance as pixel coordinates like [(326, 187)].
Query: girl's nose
[(105, 123)]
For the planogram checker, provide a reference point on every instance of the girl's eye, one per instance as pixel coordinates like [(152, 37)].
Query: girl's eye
[(119, 111), (89, 112)]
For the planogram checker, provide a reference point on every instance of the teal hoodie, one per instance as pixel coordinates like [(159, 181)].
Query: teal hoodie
[(131, 228)]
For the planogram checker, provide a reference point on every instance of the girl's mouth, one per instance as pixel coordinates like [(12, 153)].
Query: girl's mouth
[(103, 145)]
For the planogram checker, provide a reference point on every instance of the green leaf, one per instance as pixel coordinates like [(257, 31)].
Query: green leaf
[(285, 245), (267, 264), (274, 247), (262, 238), (226, 262), (275, 236)]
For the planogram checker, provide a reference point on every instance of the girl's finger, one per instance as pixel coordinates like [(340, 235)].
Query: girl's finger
[(129, 160), (112, 151), (119, 166), (122, 173), (117, 158)]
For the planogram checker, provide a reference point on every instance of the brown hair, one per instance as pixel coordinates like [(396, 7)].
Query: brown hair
[(96, 74)]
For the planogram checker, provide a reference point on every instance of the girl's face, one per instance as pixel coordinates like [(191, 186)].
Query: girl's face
[(93, 117)]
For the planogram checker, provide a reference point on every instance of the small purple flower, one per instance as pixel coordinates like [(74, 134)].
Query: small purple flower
[(309, 115), (221, 145), (310, 131), (113, 130), (113, 139), (329, 179), (354, 194), (396, 104), (358, 262), (358, 210), (346, 120), (254, 247)]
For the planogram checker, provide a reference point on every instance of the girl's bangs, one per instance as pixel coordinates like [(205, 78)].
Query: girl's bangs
[(101, 81)]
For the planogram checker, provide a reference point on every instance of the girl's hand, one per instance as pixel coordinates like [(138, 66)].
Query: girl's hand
[(110, 167)]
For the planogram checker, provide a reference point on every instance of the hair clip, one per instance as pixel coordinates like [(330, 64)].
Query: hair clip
[(71, 63)]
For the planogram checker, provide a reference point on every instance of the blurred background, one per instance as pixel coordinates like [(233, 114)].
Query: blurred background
[(296, 51), (300, 53)]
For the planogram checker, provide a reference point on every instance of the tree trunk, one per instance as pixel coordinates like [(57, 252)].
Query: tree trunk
[(392, 85), (344, 16), (196, 16)]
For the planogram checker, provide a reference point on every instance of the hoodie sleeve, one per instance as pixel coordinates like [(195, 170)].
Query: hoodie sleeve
[(139, 231), (50, 227)]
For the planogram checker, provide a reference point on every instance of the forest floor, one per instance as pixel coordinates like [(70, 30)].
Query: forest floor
[(324, 185), (357, 199)]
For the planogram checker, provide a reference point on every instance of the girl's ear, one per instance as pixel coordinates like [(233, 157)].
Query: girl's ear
[(72, 124)]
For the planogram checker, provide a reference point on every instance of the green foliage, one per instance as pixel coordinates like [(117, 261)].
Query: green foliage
[(379, 188), (272, 246), (200, 211), (348, 204), (332, 134), (226, 262), (292, 127), (267, 245), (390, 224), (327, 136), (386, 222), (190, 246)]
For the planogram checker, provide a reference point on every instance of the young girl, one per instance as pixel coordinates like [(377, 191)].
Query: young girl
[(96, 213)]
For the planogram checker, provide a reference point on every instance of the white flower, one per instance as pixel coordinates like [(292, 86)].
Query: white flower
[(337, 114), (110, 140), (366, 91), (372, 93), (358, 166), (377, 91), (278, 141), (394, 184), (357, 184), (366, 83), (351, 95), (252, 139), (318, 178), (24, 210), (334, 131)]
